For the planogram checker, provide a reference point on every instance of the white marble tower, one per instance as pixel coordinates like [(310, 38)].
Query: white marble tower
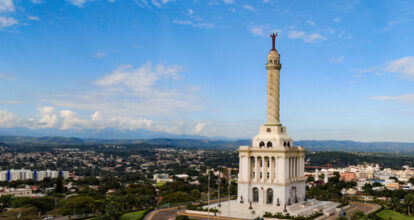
[(271, 171)]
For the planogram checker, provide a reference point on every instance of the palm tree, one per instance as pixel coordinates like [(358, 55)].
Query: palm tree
[(409, 200)]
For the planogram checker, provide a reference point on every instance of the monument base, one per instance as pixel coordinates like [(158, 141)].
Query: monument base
[(234, 209)]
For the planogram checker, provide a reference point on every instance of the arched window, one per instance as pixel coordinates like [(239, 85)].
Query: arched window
[(255, 195), (284, 143), (262, 144), (269, 196), (269, 144), (288, 144)]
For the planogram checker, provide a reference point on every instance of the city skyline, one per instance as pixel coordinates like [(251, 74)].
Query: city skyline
[(196, 67)]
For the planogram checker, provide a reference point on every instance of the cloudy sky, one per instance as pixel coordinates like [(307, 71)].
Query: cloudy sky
[(197, 66)]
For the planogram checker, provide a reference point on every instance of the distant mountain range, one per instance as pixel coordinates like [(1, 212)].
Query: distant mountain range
[(106, 133), (183, 141)]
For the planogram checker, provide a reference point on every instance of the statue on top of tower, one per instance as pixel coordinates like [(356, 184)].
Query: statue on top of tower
[(273, 36)]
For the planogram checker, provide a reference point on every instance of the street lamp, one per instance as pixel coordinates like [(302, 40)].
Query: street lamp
[(218, 182), (208, 195)]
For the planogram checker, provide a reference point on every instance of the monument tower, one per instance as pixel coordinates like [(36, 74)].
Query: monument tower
[(271, 170)]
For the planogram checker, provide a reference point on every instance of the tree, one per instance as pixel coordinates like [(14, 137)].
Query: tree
[(376, 184), (5, 201), (358, 215), (182, 217), (409, 200), (176, 197), (77, 205), (195, 194), (113, 210), (368, 189), (59, 184)]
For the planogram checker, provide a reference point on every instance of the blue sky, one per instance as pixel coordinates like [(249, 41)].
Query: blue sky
[(197, 67)]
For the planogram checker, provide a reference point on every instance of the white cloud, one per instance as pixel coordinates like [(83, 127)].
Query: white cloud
[(145, 91), (248, 7), (396, 22), (408, 98), (336, 59), (404, 66), (7, 21), (190, 23), (336, 20), (78, 3), (6, 5), (99, 54), (228, 1), (33, 18), (6, 77), (190, 11), (149, 3), (259, 30), (48, 117), (368, 70), (156, 3), (140, 79), (311, 22), (296, 34), (314, 38), (308, 38), (8, 119), (199, 127), (37, 1)]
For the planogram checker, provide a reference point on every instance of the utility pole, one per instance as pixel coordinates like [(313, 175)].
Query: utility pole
[(228, 194), (208, 194), (219, 205)]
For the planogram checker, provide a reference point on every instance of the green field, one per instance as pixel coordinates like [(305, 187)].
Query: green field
[(389, 214), (138, 215)]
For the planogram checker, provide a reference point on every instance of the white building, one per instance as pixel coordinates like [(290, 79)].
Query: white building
[(22, 174), (162, 178), (25, 192), (271, 171)]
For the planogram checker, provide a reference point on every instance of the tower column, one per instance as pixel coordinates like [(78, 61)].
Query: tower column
[(263, 169), (249, 168), (256, 169), (240, 169), (272, 169), (286, 169), (273, 67), (296, 167)]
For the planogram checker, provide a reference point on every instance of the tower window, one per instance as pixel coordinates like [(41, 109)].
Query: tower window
[(268, 163), (288, 144), (268, 176), (269, 144), (261, 176), (262, 144)]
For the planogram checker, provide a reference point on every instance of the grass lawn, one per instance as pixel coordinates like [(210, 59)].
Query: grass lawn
[(134, 215), (387, 214)]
